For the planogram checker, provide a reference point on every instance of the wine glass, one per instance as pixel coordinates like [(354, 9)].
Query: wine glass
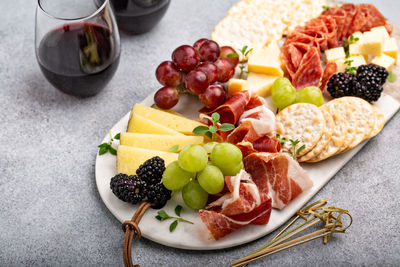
[(77, 44)]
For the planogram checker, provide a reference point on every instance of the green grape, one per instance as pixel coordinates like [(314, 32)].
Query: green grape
[(211, 179), (226, 157), (193, 158), (237, 169), (311, 94), (283, 93), (194, 195), (209, 146), (174, 177)]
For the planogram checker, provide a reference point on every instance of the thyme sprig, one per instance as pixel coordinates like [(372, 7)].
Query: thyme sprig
[(293, 151), (162, 215), (210, 131), (107, 147), (245, 50)]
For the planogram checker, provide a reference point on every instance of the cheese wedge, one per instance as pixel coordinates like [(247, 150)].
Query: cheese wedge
[(177, 123), (158, 142), (236, 85), (371, 43), (356, 61), (354, 50), (334, 54), (130, 158), (390, 48), (266, 60), (381, 30), (139, 124), (261, 84), (384, 61)]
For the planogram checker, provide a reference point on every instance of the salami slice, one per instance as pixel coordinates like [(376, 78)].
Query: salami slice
[(310, 70), (329, 70)]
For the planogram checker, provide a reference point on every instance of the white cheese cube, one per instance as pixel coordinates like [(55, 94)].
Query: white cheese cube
[(357, 35), (334, 54), (355, 62), (371, 43), (266, 60), (261, 84), (354, 50), (385, 61), (390, 48), (382, 30)]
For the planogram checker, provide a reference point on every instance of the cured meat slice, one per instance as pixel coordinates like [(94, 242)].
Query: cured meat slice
[(267, 144), (374, 18), (331, 27), (350, 10), (310, 70), (329, 70), (278, 175), (339, 15), (317, 32), (292, 54), (255, 101), (244, 205), (261, 118), (220, 225)]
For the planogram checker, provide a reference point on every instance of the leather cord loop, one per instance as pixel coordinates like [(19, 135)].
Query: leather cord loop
[(132, 230)]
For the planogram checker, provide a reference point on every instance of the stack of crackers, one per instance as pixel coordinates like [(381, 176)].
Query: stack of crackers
[(335, 127), (256, 23)]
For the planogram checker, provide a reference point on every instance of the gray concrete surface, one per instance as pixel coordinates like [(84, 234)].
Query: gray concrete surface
[(50, 211)]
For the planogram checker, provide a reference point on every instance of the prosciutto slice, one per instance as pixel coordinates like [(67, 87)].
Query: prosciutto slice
[(244, 204), (278, 175)]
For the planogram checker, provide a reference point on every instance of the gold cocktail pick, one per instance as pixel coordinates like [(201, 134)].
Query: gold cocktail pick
[(311, 214)]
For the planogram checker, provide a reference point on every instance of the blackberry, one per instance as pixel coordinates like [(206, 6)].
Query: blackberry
[(367, 90), (130, 189), (151, 170), (341, 84), (158, 194), (373, 73)]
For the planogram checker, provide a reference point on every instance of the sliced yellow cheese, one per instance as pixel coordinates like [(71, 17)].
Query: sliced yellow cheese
[(381, 30), (355, 62), (261, 84), (158, 142), (354, 50), (177, 123), (266, 60), (371, 43), (236, 85), (139, 124), (390, 48), (130, 158), (334, 54), (384, 61)]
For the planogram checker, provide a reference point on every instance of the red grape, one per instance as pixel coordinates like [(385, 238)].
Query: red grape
[(210, 70), (198, 43), (225, 51), (226, 70), (185, 57), (166, 97), (196, 82), (213, 97), (168, 74), (209, 51)]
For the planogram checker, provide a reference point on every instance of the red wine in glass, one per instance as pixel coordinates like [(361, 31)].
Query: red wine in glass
[(139, 16), (80, 57)]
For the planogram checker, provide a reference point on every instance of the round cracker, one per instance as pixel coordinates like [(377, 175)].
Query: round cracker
[(362, 128), (367, 111), (379, 121), (303, 122), (338, 137), (346, 112), (325, 138)]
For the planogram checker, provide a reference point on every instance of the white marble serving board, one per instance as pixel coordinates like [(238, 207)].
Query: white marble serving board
[(196, 237)]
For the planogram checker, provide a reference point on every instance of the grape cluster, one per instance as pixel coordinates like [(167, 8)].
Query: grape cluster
[(197, 176), (284, 94), (200, 70)]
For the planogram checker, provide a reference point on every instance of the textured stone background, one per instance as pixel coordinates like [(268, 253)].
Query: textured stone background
[(50, 211)]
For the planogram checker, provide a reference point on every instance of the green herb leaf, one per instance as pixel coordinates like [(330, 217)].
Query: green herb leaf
[(158, 217), (300, 149), (246, 53), (226, 127), (173, 226), (232, 55), (112, 150), (163, 215), (391, 77), (208, 134), (103, 150), (174, 148), (178, 210), (104, 145), (326, 7), (215, 117), (199, 130), (213, 129), (117, 136)]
